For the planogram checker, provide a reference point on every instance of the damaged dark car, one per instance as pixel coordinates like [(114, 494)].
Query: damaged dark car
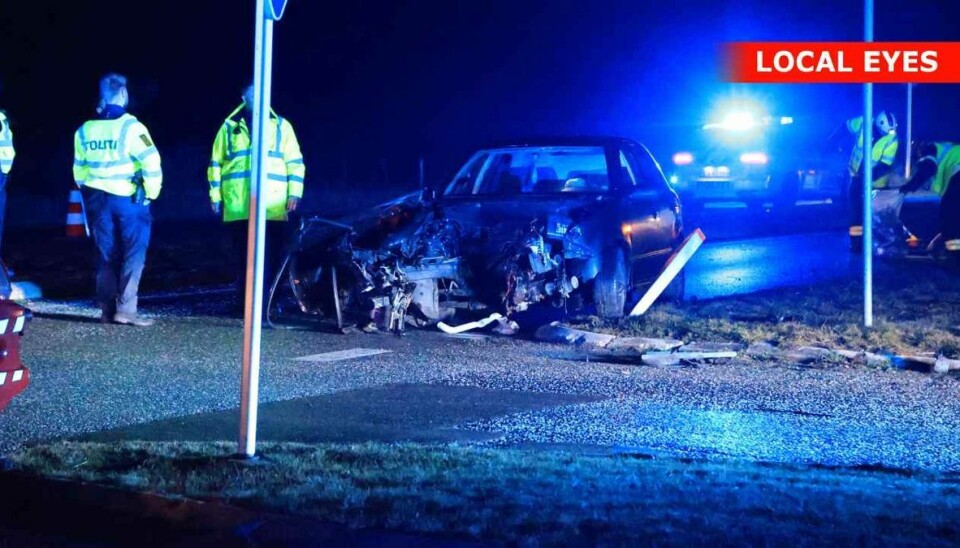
[(579, 224)]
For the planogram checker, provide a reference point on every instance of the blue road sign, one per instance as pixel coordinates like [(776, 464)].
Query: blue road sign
[(274, 9)]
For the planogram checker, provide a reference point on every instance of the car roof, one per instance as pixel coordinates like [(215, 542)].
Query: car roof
[(575, 140)]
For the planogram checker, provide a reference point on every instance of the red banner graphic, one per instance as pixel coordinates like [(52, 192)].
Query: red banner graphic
[(843, 62)]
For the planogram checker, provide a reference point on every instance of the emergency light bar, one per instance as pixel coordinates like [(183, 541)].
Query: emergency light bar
[(754, 158)]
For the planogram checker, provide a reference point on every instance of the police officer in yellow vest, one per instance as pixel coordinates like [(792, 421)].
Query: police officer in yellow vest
[(882, 157), (229, 177), (7, 153), (939, 163), (117, 167)]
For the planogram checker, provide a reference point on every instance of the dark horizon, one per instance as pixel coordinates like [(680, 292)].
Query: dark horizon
[(397, 80)]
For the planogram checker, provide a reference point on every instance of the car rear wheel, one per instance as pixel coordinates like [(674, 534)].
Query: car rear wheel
[(610, 287)]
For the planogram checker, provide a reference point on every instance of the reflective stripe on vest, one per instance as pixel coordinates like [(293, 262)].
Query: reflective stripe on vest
[(942, 150), (235, 173), (946, 169), (7, 152), (884, 151), (105, 155)]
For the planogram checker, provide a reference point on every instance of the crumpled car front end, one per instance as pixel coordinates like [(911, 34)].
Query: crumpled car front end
[(417, 263)]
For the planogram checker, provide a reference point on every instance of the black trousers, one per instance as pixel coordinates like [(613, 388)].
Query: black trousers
[(121, 233), (274, 252)]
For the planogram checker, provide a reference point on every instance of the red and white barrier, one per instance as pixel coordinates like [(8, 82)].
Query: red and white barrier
[(14, 376), (12, 383)]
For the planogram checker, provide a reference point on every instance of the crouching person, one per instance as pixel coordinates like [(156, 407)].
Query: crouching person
[(939, 164)]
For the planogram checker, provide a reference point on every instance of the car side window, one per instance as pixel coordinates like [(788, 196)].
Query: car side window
[(465, 181), (645, 169), (626, 172)]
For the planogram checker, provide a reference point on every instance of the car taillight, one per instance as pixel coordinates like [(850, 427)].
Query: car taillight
[(683, 158), (754, 158)]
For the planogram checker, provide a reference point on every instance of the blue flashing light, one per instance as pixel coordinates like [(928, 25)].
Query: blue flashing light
[(755, 158), (736, 121)]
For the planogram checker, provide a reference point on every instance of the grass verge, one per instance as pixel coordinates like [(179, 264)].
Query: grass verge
[(522, 495), (917, 311)]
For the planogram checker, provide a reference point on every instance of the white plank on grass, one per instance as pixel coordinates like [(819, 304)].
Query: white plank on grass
[(338, 355)]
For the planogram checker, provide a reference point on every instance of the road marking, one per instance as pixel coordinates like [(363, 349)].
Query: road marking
[(343, 355), (17, 375)]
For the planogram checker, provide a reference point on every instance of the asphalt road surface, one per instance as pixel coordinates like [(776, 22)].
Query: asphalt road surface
[(180, 379), (749, 250), (426, 386)]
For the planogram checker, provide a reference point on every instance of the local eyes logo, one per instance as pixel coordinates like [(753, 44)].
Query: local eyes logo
[(843, 62)]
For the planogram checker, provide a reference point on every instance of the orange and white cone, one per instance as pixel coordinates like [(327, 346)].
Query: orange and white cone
[(76, 219)]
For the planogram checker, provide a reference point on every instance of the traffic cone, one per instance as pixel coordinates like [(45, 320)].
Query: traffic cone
[(76, 219)]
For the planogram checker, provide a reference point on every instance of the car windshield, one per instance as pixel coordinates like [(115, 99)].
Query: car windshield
[(533, 170)]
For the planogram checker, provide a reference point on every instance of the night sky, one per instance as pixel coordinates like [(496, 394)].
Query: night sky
[(366, 80)]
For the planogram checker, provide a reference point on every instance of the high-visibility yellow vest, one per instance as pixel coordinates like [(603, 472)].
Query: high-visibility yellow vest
[(946, 169), (229, 170), (884, 151), (7, 153), (109, 154), (942, 148)]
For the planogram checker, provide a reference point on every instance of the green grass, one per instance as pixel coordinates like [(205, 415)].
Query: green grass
[(520, 495), (917, 310)]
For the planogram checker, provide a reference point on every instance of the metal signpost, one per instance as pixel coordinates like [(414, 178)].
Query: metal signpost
[(867, 166), (266, 13), (909, 167)]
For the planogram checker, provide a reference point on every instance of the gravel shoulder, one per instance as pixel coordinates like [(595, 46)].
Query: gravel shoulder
[(90, 378)]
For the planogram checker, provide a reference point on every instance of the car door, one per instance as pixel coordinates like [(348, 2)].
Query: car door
[(651, 213)]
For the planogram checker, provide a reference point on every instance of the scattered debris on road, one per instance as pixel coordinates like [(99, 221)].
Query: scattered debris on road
[(463, 328), (916, 322), (339, 355), (647, 350)]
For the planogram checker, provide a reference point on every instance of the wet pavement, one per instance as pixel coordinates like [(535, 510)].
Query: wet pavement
[(181, 378)]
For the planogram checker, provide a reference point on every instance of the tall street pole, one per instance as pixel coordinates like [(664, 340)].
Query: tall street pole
[(909, 169), (867, 164), (253, 307)]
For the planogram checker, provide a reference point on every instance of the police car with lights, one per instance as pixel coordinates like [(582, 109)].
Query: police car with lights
[(759, 160)]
